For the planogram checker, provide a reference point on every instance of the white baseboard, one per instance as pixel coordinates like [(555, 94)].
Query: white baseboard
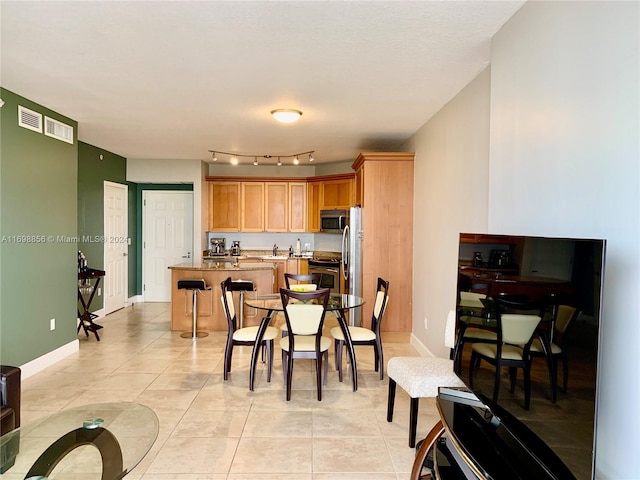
[(418, 345), (38, 364), (135, 299)]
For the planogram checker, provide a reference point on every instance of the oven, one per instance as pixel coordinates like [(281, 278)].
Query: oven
[(329, 269)]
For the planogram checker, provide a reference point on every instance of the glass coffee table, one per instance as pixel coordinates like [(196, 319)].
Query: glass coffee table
[(98, 441)]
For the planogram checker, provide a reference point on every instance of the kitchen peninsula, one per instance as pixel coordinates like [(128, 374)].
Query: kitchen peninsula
[(210, 313)]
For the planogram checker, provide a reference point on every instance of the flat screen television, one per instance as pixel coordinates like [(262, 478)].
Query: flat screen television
[(571, 270)]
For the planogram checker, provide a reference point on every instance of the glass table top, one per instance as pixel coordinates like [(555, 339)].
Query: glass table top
[(76, 442), (272, 301)]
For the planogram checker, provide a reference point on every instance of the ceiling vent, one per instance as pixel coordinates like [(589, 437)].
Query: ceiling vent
[(61, 131), (29, 119)]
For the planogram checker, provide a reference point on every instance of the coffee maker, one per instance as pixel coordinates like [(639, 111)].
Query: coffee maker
[(218, 247), (235, 248)]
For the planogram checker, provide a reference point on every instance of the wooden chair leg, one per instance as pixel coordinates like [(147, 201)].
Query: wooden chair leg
[(338, 356), (391, 399), (413, 421)]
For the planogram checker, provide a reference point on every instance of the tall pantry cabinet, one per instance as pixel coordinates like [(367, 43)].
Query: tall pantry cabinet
[(384, 189)]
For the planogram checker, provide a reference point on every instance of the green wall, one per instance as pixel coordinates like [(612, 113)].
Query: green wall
[(138, 207), (38, 199), (95, 166)]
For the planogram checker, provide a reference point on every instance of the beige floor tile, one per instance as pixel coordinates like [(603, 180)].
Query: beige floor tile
[(351, 454), (207, 423), (345, 423), (261, 423), (167, 399), (181, 455), (179, 381), (273, 455)]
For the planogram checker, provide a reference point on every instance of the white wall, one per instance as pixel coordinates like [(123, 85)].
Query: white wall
[(176, 171), (565, 161), (451, 171)]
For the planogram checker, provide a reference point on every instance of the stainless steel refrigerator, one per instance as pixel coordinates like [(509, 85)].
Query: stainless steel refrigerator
[(352, 259)]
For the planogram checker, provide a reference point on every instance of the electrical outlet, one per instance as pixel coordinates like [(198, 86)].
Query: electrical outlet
[(52, 324), (425, 323), (99, 291)]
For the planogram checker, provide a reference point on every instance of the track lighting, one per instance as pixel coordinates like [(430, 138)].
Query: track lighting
[(234, 158)]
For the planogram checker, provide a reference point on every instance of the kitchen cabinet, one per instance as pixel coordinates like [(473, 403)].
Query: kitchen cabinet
[(296, 266), (313, 215), (484, 238), (224, 206), (276, 210), (337, 194), (256, 206), (252, 207), (328, 192), (359, 187), (297, 206), (387, 215)]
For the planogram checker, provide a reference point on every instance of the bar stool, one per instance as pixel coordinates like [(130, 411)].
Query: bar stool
[(241, 286), (196, 286)]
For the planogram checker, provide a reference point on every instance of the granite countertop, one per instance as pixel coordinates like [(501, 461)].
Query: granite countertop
[(223, 266)]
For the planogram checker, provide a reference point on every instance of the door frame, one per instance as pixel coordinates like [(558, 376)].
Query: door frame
[(125, 272), (144, 232)]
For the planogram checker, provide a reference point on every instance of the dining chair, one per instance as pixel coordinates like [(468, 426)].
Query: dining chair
[(245, 336), (306, 282), (565, 316), (473, 323), (304, 314), (309, 281), (363, 335), (516, 324)]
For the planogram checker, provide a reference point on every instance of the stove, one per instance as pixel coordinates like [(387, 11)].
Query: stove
[(324, 262)]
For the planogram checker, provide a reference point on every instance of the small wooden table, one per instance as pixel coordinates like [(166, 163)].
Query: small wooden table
[(86, 317)]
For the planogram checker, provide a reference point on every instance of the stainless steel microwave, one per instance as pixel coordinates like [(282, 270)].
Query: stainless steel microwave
[(333, 221)]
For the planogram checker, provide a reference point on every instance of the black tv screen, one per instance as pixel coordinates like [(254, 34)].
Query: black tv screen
[(562, 270)]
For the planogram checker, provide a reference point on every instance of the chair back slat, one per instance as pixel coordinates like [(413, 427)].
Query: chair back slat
[(518, 329), (304, 319)]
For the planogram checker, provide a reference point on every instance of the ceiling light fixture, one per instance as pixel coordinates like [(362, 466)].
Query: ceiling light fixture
[(235, 157), (286, 115)]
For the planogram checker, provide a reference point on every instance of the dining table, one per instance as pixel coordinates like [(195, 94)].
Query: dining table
[(339, 304)]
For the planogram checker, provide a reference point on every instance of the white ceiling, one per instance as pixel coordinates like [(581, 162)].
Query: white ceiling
[(176, 79)]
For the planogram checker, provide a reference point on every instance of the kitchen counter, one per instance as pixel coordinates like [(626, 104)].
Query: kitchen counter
[(211, 315), (226, 264)]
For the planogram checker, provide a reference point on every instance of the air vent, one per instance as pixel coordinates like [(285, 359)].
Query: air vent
[(29, 119), (61, 131)]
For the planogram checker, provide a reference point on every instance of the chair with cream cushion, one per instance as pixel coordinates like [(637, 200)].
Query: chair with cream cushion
[(363, 335), (471, 311), (300, 283), (517, 323), (565, 318), (304, 314), (245, 336)]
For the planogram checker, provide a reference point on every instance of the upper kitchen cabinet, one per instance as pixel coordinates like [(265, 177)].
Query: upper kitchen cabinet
[(297, 206), (252, 207), (276, 210), (328, 192), (257, 205), (224, 206)]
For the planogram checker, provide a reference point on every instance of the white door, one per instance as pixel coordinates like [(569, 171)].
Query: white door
[(167, 239), (116, 244)]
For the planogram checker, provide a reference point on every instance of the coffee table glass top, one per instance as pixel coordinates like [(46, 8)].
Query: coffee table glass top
[(71, 442)]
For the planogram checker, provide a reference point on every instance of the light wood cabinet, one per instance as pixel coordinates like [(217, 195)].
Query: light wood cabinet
[(313, 215), (297, 206), (252, 207), (337, 194), (297, 266), (276, 210), (224, 206), (387, 196)]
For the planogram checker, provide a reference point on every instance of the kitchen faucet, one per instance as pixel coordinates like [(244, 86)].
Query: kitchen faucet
[(275, 250)]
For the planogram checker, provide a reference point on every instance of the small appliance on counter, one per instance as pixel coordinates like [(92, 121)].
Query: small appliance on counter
[(218, 247), (235, 248)]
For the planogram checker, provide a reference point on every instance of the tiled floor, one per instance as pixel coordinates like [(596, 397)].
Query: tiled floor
[(215, 430)]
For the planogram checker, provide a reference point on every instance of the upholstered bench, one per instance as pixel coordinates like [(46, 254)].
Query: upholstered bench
[(419, 377)]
